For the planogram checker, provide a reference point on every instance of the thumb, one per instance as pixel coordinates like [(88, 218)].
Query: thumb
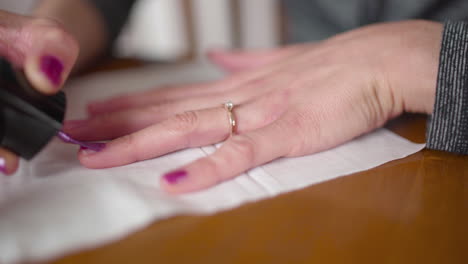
[(234, 61), (41, 47), (51, 57)]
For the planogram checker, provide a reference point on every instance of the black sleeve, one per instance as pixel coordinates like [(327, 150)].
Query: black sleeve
[(448, 126), (114, 14)]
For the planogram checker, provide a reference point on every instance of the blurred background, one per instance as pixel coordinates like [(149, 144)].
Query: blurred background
[(171, 30)]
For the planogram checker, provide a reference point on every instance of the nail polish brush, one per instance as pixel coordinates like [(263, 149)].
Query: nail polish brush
[(29, 119)]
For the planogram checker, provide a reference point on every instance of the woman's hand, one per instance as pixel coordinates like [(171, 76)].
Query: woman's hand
[(46, 53), (293, 101)]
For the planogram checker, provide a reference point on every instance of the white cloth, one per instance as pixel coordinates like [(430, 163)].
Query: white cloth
[(53, 205)]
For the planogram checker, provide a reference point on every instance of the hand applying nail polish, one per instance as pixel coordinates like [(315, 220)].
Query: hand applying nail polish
[(39, 46), (41, 49), (24, 110), (52, 57)]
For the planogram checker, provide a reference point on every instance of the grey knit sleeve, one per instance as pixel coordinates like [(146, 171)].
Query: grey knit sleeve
[(448, 126), (114, 14)]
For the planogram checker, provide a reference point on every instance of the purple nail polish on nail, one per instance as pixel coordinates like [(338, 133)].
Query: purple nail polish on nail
[(94, 146), (52, 68), (175, 176), (3, 165)]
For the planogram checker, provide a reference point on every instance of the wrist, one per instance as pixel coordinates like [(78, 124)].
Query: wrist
[(412, 70)]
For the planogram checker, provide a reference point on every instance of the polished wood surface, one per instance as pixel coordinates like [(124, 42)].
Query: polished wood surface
[(413, 210)]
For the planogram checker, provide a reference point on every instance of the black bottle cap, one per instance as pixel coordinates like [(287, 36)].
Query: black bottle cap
[(28, 119)]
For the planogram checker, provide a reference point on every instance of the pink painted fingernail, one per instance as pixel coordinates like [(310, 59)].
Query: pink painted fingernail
[(3, 165), (52, 68), (175, 176)]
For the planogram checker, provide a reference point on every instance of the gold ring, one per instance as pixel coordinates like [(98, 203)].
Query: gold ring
[(229, 106)]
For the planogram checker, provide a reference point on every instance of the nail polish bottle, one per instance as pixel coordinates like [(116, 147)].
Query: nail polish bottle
[(28, 119)]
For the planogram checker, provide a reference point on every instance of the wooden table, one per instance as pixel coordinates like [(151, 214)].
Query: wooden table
[(413, 210)]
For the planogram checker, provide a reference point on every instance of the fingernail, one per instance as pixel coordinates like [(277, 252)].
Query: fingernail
[(91, 148), (3, 165), (52, 68), (87, 147), (175, 176), (74, 124)]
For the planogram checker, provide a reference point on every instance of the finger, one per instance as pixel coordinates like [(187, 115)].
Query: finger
[(116, 124), (52, 55), (39, 46), (154, 96), (169, 93), (8, 162), (166, 95), (235, 61), (190, 129), (236, 155), (178, 92)]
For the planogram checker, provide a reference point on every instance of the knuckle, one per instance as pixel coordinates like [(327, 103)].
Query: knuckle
[(130, 146), (274, 105), (126, 141), (185, 122), (294, 121)]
